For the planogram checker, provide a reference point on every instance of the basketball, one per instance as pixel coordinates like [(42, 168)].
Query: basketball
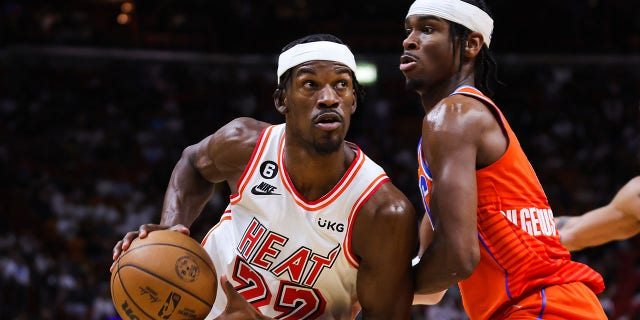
[(166, 275)]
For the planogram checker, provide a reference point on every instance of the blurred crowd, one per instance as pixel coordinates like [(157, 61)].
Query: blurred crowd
[(257, 26), (87, 145)]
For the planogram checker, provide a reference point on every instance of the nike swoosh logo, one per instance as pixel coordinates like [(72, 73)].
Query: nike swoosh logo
[(259, 192)]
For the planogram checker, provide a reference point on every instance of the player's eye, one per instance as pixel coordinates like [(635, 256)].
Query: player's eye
[(427, 29), (309, 84)]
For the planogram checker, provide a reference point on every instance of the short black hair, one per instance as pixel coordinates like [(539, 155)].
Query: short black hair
[(284, 78)]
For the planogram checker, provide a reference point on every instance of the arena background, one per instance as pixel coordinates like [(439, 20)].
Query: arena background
[(99, 97)]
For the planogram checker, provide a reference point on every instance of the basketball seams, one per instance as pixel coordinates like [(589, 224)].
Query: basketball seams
[(157, 276), (208, 262), (131, 299), (131, 250)]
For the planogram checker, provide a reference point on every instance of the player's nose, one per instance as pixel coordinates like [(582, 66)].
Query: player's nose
[(328, 97)]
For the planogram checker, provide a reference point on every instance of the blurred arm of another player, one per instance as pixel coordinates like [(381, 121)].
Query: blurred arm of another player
[(219, 157), (620, 219)]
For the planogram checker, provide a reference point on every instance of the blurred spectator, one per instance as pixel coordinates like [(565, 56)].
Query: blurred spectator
[(576, 26)]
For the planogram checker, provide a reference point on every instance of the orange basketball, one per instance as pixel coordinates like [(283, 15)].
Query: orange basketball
[(166, 275)]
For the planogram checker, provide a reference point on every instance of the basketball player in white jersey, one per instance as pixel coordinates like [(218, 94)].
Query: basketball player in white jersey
[(313, 226)]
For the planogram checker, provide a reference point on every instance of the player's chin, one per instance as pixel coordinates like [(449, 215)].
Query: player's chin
[(413, 84), (328, 145)]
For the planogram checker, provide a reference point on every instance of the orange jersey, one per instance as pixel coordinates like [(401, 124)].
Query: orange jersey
[(519, 245)]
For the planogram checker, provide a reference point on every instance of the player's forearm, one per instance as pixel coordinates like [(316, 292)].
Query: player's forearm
[(391, 304), (595, 227), (453, 253), (578, 241), (576, 233), (438, 271), (186, 195)]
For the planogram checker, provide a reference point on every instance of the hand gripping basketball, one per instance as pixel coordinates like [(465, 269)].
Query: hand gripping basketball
[(166, 275)]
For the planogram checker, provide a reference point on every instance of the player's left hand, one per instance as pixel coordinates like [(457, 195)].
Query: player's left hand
[(142, 233), (238, 308)]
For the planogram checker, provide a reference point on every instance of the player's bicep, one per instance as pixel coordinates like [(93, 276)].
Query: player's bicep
[(450, 149), (385, 241), (451, 142)]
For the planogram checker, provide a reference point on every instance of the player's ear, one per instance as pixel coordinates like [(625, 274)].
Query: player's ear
[(279, 101), (355, 102), (473, 45)]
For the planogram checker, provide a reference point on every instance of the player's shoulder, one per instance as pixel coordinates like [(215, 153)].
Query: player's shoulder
[(388, 203), (237, 138), (245, 126), (389, 213), (229, 149), (241, 130), (462, 104), (460, 113)]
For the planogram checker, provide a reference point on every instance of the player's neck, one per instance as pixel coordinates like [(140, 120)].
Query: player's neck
[(431, 96), (315, 175)]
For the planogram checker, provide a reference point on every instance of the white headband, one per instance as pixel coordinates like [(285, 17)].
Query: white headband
[(319, 50), (456, 11)]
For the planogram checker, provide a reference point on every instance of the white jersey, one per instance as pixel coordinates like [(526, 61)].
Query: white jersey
[(290, 257)]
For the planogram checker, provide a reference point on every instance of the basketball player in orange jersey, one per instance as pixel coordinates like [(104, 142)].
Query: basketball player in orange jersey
[(619, 219), (493, 232), (313, 225)]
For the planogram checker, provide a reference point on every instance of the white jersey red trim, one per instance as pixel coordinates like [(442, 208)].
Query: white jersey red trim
[(288, 256)]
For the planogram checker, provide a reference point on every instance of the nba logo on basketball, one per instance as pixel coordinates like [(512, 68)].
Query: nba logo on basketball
[(169, 305)]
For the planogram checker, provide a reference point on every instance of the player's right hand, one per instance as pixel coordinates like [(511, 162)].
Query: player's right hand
[(142, 233), (238, 308)]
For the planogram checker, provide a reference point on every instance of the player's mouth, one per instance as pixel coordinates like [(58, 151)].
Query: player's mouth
[(408, 61), (327, 120)]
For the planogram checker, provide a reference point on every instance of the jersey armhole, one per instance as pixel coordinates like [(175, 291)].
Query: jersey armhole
[(258, 150), (369, 191)]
